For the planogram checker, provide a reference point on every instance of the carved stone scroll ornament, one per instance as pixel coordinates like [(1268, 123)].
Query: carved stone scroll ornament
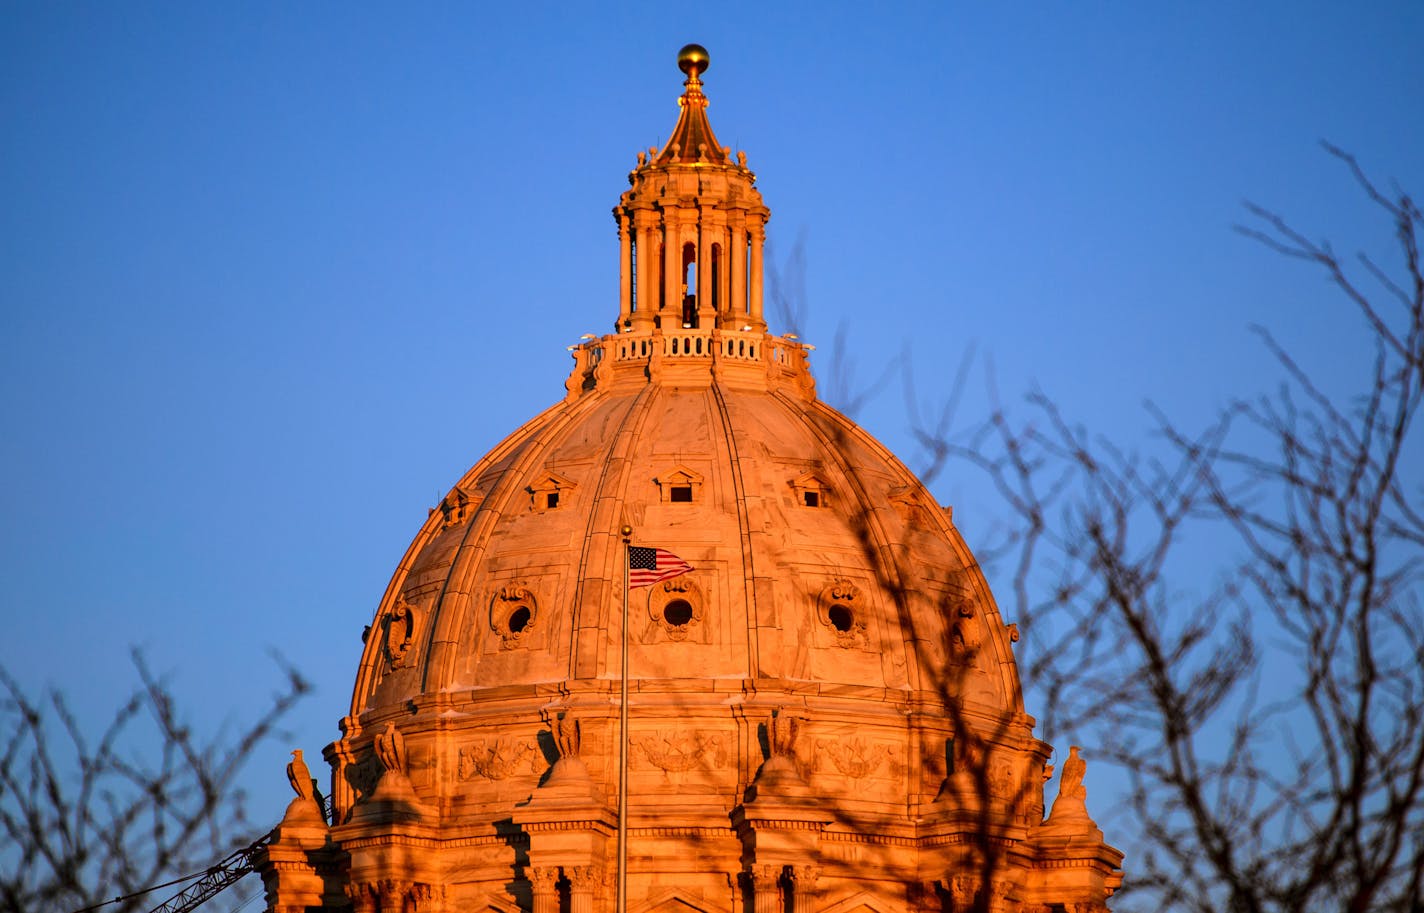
[(966, 632), (400, 631), (923, 897), (362, 896), (766, 887), (426, 898), (395, 895), (677, 607), (802, 881), (392, 893), (841, 608), (999, 891), (543, 884), (963, 891), (514, 614)]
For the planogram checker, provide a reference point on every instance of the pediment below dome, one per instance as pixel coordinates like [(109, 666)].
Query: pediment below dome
[(859, 902), (676, 900)]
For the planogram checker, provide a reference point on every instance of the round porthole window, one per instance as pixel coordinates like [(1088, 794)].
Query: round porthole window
[(676, 606), (677, 612), (841, 607), (514, 613)]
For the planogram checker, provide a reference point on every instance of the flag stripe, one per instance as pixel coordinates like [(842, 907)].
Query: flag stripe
[(647, 566)]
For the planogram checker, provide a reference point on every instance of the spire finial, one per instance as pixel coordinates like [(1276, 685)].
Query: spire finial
[(693, 60)]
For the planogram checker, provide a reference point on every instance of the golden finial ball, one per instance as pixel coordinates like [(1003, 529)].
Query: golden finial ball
[(693, 59)]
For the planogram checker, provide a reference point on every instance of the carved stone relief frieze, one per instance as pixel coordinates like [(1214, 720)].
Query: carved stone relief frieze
[(856, 758), (497, 759), (679, 750), (1003, 780)]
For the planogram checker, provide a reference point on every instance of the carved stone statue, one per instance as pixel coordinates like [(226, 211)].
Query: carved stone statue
[(781, 732), (779, 773), (567, 737), (299, 776), (1071, 785), (1069, 809), (305, 811), (568, 777), (968, 756), (390, 749)]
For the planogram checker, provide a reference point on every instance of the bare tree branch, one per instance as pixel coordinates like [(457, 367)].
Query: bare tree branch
[(1266, 720), (85, 821)]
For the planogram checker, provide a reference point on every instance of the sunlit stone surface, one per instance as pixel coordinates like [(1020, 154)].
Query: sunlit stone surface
[(825, 713)]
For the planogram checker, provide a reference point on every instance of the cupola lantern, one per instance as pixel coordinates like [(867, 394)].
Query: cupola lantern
[(691, 227)]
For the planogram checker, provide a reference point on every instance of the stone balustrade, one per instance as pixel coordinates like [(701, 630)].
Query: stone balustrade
[(725, 353)]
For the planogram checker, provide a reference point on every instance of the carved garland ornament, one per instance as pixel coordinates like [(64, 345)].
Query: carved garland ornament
[(677, 751), (855, 758), (496, 759)]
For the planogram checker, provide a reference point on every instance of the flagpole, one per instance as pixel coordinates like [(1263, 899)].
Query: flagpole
[(622, 904)]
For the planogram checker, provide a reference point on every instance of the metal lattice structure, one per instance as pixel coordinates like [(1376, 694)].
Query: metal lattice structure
[(215, 880)]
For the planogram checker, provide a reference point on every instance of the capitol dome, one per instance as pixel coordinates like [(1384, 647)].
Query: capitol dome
[(804, 696)]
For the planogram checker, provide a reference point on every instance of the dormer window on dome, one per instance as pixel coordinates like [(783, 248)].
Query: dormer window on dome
[(550, 491), (811, 490), (680, 485)]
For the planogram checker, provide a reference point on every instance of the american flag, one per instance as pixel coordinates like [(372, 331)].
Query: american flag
[(646, 566)]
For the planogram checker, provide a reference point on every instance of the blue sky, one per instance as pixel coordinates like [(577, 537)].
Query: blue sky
[(272, 276)]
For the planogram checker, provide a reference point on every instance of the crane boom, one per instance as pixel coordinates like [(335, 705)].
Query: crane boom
[(216, 879)]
